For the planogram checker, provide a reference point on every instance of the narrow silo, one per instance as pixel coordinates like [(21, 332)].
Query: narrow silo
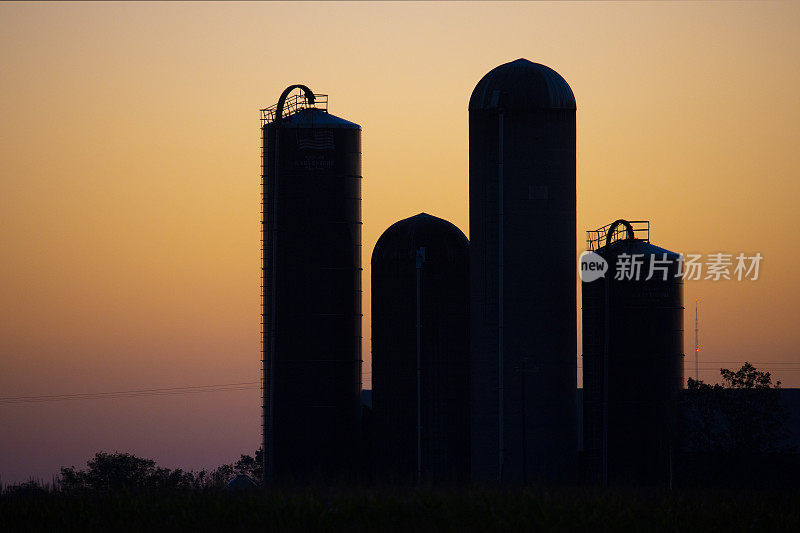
[(420, 350), (522, 268), (311, 230), (632, 358)]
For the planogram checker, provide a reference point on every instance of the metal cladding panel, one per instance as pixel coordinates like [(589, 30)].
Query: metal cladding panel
[(645, 369), (534, 150), (444, 349), (312, 232)]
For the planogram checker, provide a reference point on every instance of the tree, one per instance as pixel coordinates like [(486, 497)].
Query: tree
[(748, 377), (253, 467), (32, 487), (115, 471), (744, 415), (119, 470)]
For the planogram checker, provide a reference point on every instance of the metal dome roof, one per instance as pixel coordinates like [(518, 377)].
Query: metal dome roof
[(241, 482), (522, 85), (636, 246), (401, 240), (316, 118)]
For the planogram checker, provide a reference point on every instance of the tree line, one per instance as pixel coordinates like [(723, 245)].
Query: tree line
[(124, 471), (730, 433)]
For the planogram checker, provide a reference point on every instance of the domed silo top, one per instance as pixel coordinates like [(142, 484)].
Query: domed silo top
[(402, 239), (316, 118), (637, 246), (522, 85)]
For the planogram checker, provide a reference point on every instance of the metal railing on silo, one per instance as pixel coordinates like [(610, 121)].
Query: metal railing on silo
[(292, 105), (596, 239)]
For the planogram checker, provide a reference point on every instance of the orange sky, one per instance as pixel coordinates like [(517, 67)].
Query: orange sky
[(129, 217)]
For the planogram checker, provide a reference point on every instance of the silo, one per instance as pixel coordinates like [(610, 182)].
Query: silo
[(522, 268), (632, 358), (420, 350), (311, 225)]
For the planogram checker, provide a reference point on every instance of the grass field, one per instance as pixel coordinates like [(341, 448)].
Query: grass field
[(406, 510)]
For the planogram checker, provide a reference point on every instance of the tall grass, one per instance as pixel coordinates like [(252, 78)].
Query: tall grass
[(396, 509)]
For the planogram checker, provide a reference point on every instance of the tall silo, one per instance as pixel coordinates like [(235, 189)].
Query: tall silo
[(420, 350), (632, 358), (311, 225), (522, 268)]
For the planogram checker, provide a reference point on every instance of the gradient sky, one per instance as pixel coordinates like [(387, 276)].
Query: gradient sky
[(129, 215)]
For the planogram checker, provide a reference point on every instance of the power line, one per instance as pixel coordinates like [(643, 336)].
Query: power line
[(169, 391), (253, 385), (756, 362)]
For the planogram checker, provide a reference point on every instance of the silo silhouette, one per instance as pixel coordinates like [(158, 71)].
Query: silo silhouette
[(523, 282), (420, 350), (311, 230), (632, 358)]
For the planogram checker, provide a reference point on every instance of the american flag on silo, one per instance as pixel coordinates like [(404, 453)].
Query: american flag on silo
[(315, 139)]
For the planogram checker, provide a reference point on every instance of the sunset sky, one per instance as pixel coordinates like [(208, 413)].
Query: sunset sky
[(129, 193)]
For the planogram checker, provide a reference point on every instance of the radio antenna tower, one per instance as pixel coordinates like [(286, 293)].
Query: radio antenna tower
[(696, 342)]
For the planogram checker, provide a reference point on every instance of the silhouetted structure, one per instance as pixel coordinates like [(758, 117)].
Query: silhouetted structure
[(420, 350), (241, 483), (311, 225), (632, 358), (523, 289)]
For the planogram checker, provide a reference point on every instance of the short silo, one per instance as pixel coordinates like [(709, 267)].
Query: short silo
[(522, 267), (420, 350), (311, 244), (632, 358)]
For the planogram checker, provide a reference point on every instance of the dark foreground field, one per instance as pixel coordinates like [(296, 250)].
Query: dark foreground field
[(405, 510)]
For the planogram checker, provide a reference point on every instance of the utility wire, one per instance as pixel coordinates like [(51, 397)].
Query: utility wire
[(135, 393), (252, 385), (224, 387)]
